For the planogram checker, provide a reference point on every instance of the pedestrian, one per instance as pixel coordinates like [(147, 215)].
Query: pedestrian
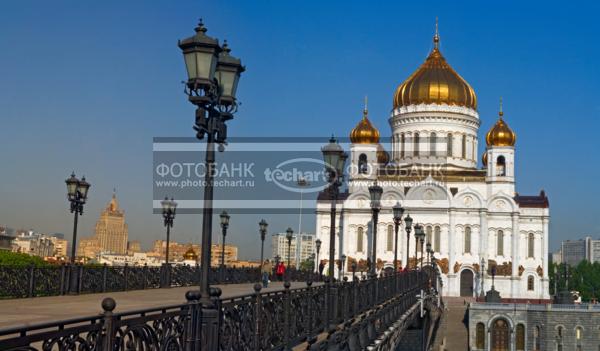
[(321, 268), (267, 268), (280, 271)]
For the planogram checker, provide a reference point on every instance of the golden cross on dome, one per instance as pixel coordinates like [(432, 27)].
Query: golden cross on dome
[(436, 37), (500, 113), (366, 110)]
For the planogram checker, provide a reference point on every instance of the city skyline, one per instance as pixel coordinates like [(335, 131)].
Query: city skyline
[(501, 51)]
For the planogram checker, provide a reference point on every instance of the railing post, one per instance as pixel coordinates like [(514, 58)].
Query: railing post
[(309, 309), (345, 299), (193, 328), (210, 321), (145, 271), (80, 277), (287, 315), (126, 276), (107, 334), (334, 305), (62, 279), (104, 276), (31, 274), (356, 290), (257, 315)]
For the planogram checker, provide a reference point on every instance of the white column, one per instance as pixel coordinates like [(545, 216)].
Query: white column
[(483, 238), (545, 288), (515, 253), (451, 275)]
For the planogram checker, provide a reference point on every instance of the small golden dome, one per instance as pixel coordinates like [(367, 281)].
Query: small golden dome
[(484, 158), (383, 157), (500, 134), (190, 254), (364, 132), (435, 82)]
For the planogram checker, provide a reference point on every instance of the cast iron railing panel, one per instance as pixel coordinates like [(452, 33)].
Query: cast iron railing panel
[(257, 321), (19, 281)]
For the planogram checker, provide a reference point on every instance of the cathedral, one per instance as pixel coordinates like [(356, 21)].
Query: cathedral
[(475, 222)]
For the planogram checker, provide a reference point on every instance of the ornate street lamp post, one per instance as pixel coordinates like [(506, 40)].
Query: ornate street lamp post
[(428, 250), (419, 238), (335, 160), (224, 225), (289, 236), (375, 191), (262, 228), (398, 211), (77, 191), (168, 212), (213, 77), (408, 226), (318, 247)]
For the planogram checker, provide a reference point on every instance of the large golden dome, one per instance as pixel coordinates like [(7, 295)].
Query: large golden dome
[(364, 132), (383, 157), (500, 134), (190, 254), (435, 82)]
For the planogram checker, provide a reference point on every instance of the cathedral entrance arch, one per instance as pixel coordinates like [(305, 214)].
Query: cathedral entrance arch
[(500, 335), (466, 283)]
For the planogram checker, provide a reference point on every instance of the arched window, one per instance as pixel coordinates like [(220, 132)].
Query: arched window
[(537, 345), (578, 334), (530, 245), (467, 240), (363, 167), (500, 243), (359, 240), (559, 332), (480, 336), (402, 145), (432, 144), (437, 239), (428, 234), (530, 283), (464, 146), (501, 166), (520, 339), (390, 238), (449, 145), (416, 145)]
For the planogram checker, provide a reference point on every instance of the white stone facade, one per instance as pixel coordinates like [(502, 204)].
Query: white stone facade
[(470, 214)]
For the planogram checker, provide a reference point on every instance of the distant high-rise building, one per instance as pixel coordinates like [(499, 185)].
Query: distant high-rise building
[(133, 246), (306, 247), (110, 235), (575, 251), (594, 251), (61, 246), (279, 244)]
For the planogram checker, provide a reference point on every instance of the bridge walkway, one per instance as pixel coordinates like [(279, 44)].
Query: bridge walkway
[(27, 311)]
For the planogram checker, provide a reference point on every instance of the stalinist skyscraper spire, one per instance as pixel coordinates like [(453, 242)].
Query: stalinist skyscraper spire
[(111, 229)]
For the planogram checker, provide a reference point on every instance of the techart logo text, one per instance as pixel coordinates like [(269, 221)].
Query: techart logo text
[(298, 175)]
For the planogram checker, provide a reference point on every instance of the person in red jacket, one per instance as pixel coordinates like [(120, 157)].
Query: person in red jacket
[(280, 270)]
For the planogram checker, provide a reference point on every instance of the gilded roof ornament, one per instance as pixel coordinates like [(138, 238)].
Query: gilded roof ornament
[(435, 82)]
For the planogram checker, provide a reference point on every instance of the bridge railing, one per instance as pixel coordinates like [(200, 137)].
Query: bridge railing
[(257, 321), (32, 281)]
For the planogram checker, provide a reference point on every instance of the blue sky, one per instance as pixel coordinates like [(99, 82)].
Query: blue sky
[(85, 86)]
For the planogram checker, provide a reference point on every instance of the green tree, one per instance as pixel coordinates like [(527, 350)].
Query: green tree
[(8, 258), (307, 265)]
